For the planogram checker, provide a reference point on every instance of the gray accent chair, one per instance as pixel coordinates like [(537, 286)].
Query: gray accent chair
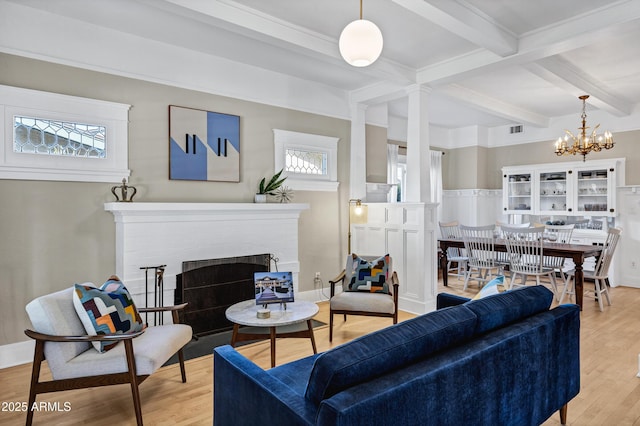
[(362, 303), (61, 339)]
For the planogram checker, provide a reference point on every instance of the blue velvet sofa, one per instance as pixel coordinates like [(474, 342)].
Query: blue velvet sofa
[(505, 359)]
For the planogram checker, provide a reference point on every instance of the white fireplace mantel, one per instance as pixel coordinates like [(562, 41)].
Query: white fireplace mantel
[(172, 212), (152, 234)]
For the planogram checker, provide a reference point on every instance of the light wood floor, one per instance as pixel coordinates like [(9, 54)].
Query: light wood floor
[(610, 390)]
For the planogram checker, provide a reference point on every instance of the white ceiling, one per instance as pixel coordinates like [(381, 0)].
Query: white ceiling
[(488, 62)]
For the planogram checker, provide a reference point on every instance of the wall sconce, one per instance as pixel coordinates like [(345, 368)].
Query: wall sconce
[(358, 214)]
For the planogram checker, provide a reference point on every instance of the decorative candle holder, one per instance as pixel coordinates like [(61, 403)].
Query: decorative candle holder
[(263, 313)]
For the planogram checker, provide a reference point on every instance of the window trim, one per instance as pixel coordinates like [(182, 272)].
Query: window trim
[(54, 106), (285, 139)]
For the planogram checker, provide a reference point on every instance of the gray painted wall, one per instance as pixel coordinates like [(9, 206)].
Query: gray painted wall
[(376, 154), (481, 168), (55, 234)]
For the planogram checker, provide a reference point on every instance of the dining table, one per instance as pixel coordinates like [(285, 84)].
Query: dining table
[(576, 252)]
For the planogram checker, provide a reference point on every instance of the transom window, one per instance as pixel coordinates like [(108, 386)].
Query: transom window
[(306, 162), (310, 162), (49, 137)]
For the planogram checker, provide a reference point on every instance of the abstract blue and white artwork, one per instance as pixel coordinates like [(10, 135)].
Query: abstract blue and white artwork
[(203, 145)]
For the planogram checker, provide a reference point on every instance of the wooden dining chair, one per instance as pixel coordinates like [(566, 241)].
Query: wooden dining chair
[(503, 257), (558, 234), (479, 243), (600, 275), (451, 231), (525, 247)]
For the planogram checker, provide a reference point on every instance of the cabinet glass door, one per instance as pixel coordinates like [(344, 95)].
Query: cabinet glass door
[(593, 191), (519, 192), (553, 193)]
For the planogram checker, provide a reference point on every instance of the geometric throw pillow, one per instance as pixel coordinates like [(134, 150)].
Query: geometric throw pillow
[(370, 276), (490, 288), (106, 310)]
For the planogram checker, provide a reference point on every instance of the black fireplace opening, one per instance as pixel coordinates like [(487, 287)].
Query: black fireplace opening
[(210, 286)]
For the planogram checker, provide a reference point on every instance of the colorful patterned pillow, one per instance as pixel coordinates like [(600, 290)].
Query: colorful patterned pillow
[(490, 288), (370, 276), (106, 310)]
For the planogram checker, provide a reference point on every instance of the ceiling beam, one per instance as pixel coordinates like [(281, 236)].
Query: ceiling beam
[(465, 22), (493, 106), (253, 23), (384, 91), (574, 80), (561, 37)]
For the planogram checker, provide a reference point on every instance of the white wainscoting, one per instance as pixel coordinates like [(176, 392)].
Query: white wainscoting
[(407, 231), (626, 264), (151, 234), (473, 207)]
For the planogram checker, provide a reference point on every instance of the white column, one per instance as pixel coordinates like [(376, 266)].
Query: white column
[(358, 153), (418, 157), (419, 191)]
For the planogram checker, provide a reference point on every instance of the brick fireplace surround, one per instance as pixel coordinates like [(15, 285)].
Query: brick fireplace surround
[(150, 234)]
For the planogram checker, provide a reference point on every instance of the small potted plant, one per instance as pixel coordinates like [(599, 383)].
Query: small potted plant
[(269, 188)]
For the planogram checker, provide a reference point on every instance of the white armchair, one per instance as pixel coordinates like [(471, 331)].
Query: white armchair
[(61, 339)]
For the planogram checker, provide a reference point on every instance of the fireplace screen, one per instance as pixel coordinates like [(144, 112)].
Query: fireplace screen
[(211, 286)]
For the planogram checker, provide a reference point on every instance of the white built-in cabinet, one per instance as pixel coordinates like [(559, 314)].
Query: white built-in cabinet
[(567, 189)]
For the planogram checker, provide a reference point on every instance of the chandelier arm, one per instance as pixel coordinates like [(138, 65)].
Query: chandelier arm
[(571, 135)]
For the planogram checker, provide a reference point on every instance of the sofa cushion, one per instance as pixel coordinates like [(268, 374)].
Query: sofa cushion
[(106, 310), (377, 353), (368, 302), (371, 276), (510, 306), (152, 349)]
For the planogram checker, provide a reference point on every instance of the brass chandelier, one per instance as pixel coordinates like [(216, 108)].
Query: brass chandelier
[(583, 143)]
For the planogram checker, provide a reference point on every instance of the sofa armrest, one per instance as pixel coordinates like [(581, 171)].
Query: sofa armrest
[(245, 394), (445, 300)]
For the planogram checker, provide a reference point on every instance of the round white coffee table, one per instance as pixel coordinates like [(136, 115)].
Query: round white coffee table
[(282, 322)]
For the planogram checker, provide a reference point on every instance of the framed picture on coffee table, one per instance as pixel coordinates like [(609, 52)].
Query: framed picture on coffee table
[(273, 287)]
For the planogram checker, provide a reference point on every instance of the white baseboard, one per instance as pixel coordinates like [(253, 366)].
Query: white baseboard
[(16, 353), (315, 295)]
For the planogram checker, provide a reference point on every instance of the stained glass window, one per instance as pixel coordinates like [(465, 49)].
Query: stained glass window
[(306, 162), (58, 138)]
